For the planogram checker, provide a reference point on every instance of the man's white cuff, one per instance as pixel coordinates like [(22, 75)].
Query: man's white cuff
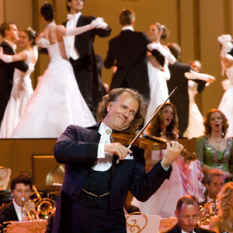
[(100, 152)]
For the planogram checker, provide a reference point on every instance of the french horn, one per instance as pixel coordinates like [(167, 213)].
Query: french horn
[(44, 206)]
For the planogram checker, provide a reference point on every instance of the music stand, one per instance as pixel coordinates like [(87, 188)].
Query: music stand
[(141, 222)]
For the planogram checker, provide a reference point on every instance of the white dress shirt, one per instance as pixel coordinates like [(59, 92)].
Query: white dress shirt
[(104, 161), (20, 211), (127, 28), (69, 40), (187, 232), (209, 199)]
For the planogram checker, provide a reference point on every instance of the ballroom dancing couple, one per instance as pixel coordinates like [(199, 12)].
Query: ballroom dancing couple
[(67, 92)]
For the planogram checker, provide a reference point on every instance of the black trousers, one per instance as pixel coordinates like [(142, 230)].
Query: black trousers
[(87, 82), (77, 218)]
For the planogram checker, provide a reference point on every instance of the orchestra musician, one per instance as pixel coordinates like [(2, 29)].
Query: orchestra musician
[(21, 189), (187, 214)]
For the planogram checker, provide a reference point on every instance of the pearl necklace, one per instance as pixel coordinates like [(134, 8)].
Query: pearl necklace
[(217, 141)]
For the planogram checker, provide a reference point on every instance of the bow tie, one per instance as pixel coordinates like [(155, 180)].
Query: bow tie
[(69, 16)]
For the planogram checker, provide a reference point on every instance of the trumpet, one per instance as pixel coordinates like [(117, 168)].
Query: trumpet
[(30, 214), (45, 206)]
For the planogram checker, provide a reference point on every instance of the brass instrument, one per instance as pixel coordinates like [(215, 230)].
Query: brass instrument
[(209, 210), (3, 177), (30, 214), (45, 206)]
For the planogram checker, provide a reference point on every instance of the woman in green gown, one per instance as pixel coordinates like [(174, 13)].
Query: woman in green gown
[(213, 149)]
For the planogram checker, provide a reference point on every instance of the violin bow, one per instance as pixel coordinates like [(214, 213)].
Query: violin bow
[(148, 122)]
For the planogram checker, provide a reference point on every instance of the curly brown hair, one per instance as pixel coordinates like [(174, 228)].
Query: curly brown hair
[(208, 128), (21, 178), (112, 96), (157, 121), (224, 204)]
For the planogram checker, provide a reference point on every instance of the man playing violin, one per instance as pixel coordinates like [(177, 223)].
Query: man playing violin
[(95, 187)]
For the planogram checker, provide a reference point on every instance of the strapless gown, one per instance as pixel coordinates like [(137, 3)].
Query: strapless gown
[(56, 101)]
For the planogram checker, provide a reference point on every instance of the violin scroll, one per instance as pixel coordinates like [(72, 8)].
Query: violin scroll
[(188, 156)]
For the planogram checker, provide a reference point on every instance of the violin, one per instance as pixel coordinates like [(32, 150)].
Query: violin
[(147, 142), (126, 137)]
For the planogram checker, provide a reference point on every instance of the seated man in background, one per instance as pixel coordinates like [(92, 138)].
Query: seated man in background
[(187, 214), (214, 181), (21, 188)]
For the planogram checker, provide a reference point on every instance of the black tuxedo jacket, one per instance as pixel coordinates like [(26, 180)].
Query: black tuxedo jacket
[(180, 98), (177, 229), (6, 76), (9, 213), (77, 148), (85, 69), (128, 51)]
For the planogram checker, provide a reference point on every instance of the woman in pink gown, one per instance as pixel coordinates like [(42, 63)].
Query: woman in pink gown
[(185, 177)]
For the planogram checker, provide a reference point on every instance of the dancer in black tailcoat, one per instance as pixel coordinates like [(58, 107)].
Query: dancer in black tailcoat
[(10, 35), (81, 53)]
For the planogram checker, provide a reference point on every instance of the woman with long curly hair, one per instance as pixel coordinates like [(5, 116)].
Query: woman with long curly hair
[(214, 149), (224, 221), (185, 178)]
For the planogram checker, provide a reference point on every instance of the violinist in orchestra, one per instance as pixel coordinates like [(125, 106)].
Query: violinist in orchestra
[(95, 187), (186, 177), (21, 190)]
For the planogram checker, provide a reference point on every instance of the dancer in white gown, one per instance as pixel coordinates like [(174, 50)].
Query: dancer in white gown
[(226, 104), (195, 126), (184, 179), (57, 101), (22, 86), (157, 74)]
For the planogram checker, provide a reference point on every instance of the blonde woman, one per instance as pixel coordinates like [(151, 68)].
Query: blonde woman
[(224, 220)]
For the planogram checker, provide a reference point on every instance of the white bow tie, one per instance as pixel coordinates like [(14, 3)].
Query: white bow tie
[(69, 16)]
